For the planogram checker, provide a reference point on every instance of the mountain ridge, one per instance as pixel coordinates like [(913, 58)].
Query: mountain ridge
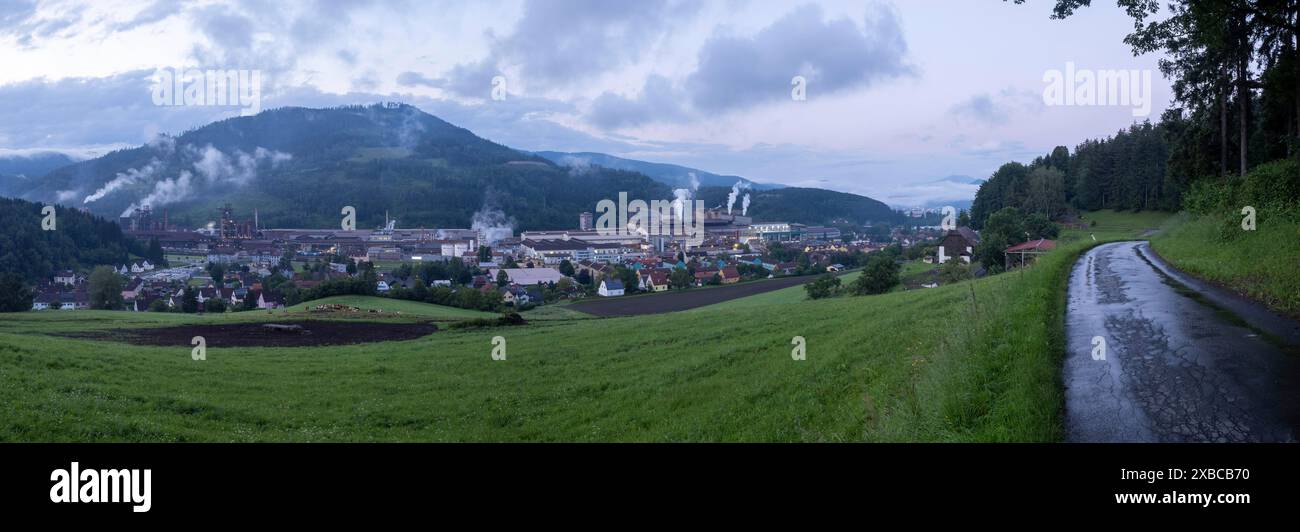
[(298, 167)]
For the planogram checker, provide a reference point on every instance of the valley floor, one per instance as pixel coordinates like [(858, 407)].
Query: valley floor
[(973, 361)]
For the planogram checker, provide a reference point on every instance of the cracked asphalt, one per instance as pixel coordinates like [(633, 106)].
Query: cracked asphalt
[(1177, 369)]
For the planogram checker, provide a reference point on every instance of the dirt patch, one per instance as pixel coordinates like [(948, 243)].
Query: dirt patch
[(258, 334)]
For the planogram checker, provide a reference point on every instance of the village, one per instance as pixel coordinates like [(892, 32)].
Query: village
[(237, 265)]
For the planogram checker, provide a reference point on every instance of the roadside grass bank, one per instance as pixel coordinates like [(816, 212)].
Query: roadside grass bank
[(1263, 264)]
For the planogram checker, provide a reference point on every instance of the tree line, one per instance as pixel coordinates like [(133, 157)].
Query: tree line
[(1235, 71)]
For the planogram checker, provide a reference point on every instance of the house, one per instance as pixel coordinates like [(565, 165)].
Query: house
[(960, 242), (610, 288), (72, 301), (837, 267), (1027, 250), (703, 277), (132, 289), (382, 287), (67, 277), (45, 301), (655, 280), (729, 275), (269, 301), (144, 301), (515, 295)]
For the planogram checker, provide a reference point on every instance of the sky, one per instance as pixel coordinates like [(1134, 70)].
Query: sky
[(897, 95)]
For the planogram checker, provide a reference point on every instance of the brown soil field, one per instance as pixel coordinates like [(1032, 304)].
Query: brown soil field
[(296, 334)]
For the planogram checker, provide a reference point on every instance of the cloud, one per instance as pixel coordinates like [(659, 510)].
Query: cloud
[(658, 100), (996, 109), (559, 43), (416, 79), (740, 72), (833, 55), (112, 110)]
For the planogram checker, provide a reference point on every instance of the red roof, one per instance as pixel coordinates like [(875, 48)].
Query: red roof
[(1041, 244)]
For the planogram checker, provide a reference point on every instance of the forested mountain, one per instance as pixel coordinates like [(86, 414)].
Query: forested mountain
[(804, 205), (33, 164), (78, 241), (21, 171), (299, 167), (669, 174)]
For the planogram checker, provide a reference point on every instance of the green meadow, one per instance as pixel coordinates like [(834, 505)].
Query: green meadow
[(1260, 264), (973, 361)]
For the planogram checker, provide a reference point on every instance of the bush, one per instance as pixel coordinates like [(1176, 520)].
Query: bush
[(1272, 188), (14, 294), (1208, 196), (215, 305), (825, 286), (878, 277)]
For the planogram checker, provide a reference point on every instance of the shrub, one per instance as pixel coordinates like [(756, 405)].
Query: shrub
[(878, 277), (825, 286), (1273, 188)]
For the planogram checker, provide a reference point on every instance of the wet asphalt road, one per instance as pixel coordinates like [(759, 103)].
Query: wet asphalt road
[(1177, 368)]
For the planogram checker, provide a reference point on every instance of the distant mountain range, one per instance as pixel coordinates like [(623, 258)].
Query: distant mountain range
[(18, 171), (298, 167), (672, 175)]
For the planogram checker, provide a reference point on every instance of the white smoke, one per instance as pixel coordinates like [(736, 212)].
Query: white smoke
[(122, 179), (164, 144), (735, 193), (64, 196), (681, 198), (493, 224), (577, 165), (744, 205), (165, 191), (211, 165), (238, 168), (694, 181)]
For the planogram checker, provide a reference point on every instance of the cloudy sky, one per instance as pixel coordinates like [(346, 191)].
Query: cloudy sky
[(898, 95)]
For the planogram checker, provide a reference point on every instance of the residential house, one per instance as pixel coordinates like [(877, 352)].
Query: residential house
[(729, 275), (269, 301), (958, 243), (655, 280), (610, 288), (66, 277)]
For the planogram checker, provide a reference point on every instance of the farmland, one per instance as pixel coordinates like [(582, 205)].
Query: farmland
[(967, 362)]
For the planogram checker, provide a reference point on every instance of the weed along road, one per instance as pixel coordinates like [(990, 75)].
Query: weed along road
[(1155, 356)]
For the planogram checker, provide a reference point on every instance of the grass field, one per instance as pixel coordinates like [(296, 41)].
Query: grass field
[(1115, 225), (1260, 264), (968, 362)]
